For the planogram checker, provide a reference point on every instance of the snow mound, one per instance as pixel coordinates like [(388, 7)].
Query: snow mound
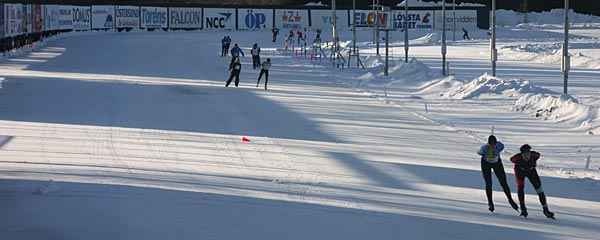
[(367, 77), (563, 108), (413, 72), (47, 189), (373, 61), (487, 84), (430, 38), (438, 86), (555, 16), (552, 53)]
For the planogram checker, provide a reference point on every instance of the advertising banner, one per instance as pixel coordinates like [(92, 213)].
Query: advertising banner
[(321, 19), (13, 19), (464, 19), (65, 17), (189, 18), (421, 19), (37, 18), (103, 16), (369, 18), (255, 19), (50, 20), (128, 16), (219, 18), (81, 18), (290, 18), (153, 17), (24, 20), (2, 35)]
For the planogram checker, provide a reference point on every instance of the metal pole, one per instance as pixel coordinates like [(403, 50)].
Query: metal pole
[(444, 37), (565, 49), (406, 31), (377, 26), (333, 29), (373, 27), (494, 52), (385, 72), (453, 20), (353, 28)]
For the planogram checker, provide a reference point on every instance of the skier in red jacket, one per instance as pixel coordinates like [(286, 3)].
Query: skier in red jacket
[(525, 163)]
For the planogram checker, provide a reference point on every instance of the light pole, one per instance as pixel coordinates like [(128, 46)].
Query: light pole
[(406, 31), (444, 37), (333, 30), (494, 52), (565, 49), (353, 28)]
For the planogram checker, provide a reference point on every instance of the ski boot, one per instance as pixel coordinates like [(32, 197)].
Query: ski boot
[(491, 207), (524, 211), (548, 213), (514, 205)]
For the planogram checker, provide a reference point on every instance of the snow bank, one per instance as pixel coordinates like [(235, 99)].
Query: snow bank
[(563, 108), (555, 16), (430, 38), (487, 84), (552, 53)]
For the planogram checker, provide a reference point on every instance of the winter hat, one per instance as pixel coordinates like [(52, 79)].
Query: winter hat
[(492, 139), (268, 59), (525, 148)]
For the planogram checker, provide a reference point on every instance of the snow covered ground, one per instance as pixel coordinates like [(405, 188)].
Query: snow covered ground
[(134, 136)]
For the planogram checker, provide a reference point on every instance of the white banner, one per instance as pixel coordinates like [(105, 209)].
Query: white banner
[(2, 20), (185, 17), (81, 18), (255, 19), (28, 18), (37, 18), (417, 19), (50, 22), (153, 17), (128, 16), (103, 16), (219, 18), (13, 19), (464, 19), (368, 18), (291, 18), (321, 19), (65, 17)]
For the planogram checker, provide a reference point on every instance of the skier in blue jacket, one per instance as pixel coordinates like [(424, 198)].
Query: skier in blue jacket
[(490, 159), (235, 53)]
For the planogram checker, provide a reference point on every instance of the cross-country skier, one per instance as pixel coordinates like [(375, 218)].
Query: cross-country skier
[(490, 159), (255, 56), (264, 70), (235, 54), (525, 163), (465, 34), (275, 32), (224, 46), (235, 69), (227, 45)]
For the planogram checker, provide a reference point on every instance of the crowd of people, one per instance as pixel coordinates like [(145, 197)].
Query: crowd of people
[(235, 65)]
